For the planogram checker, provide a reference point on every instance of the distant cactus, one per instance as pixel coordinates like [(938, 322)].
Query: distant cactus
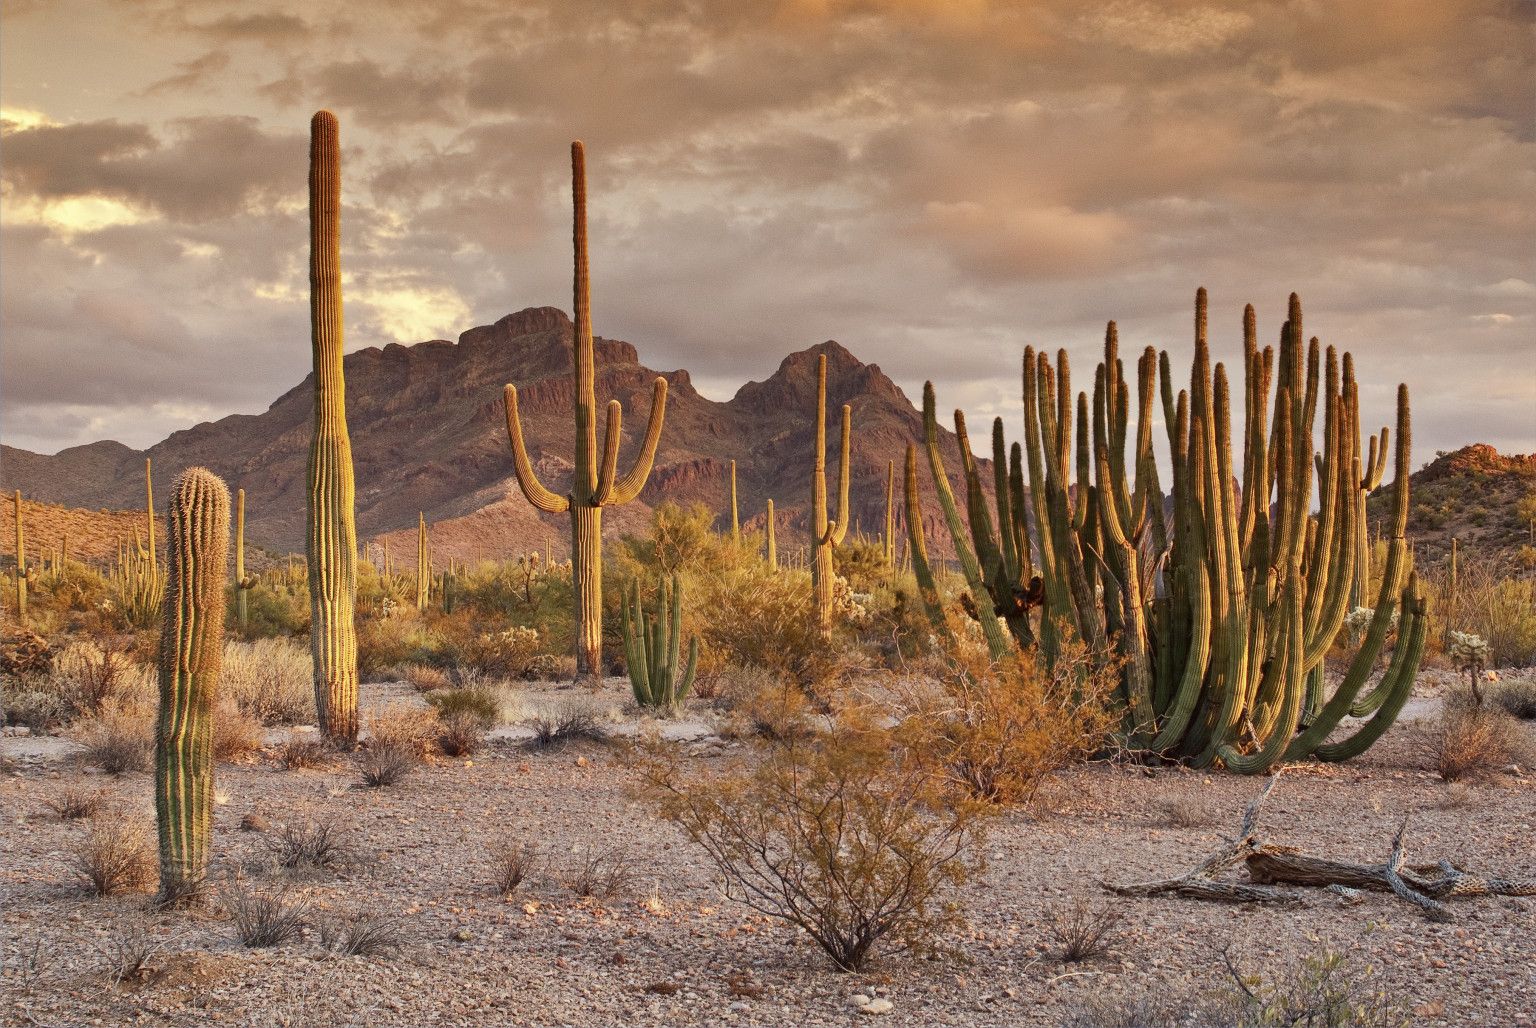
[(735, 516), (826, 534), (21, 566), (243, 583), (888, 538), (331, 532), (773, 550), (191, 648), (653, 649), (423, 565), (596, 484)]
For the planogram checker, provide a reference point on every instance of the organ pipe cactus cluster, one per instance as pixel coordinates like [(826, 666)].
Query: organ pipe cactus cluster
[(827, 533), (1223, 610), (653, 648), (596, 483), (191, 648), (331, 533)]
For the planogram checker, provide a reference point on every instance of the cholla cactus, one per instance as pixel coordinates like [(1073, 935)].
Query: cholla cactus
[(1471, 654)]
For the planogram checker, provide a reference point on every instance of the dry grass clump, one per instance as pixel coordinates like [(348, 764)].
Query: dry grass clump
[(425, 677), (237, 736), (119, 739), (1517, 697), (512, 864), (264, 917), (129, 952), (307, 751), (837, 834), (363, 935), (461, 735), (270, 680), (74, 804), (560, 724), (321, 844), (399, 740), (1081, 930), (115, 856), (1182, 810), (90, 675), (1471, 741), (479, 702), (602, 874)]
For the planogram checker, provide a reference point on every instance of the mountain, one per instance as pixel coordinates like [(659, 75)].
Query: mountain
[(428, 434), (1473, 494)]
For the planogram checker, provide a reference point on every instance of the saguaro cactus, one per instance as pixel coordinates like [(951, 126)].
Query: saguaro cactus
[(21, 565), (243, 583), (653, 648), (1222, 616), (827, 533), (735, 516), (331, 536), (773, 549), (191, 648), (596, 484), (888, 539)]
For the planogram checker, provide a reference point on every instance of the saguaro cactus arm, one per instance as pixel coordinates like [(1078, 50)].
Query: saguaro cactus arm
[(630, 485), (527, 479)]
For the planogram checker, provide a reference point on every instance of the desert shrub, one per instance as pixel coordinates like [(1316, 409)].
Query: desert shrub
[(1182, 811), (1497, 606), (93, 674), (403, 638), (764, 703), (306, 751), (399, 739), (1470, 740), (119, 739), (512, 864), (128, 953), (236, 734), (276, 608), (321, 844), (115, 855), (552, 667), (479, 703), (363, 935), (500, 652), (1517, 697), (264, 917), (74, 803), (1081, 930), (33, 704), (271, 680), (386, 762), (834, 834), (998, 729), (560, 724), (461, 735), (602, 873), (425, 677)]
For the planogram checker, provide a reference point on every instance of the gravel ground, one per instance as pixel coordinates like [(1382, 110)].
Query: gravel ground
[(673, 951)]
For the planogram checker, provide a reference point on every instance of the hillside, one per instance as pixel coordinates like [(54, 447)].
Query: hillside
[(429, 434), (1473, 494)]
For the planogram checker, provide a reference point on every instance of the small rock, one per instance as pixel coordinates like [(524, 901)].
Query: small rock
[(860, 1000), (253, 822), (879, 1005)]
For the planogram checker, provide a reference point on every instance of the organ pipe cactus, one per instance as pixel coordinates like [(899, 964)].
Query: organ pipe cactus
[(596, 483), (653, 649), (243, 583), (827, 533), (423, 565), (1221, 610), (331, 533), (191, 648)]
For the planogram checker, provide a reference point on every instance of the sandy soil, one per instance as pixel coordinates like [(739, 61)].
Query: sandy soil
[(674, 952)]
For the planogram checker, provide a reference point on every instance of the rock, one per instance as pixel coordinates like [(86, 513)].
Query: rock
[(253, 822), (879, 1005), (860, 1000)]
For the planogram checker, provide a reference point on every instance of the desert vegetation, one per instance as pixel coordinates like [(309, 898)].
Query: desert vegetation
[(841, 775)]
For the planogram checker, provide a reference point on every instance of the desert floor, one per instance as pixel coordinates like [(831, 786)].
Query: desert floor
[(673, 951)]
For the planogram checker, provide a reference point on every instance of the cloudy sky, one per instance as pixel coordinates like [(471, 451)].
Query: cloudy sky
[(934, 184)]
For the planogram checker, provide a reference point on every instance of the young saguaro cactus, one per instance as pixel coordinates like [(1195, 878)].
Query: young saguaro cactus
[(735, 515), (191, 649), (771, 544), (331, 533), (243, 583), (21, 565), (423, 564), (653, 649), (596, 483), (827, 533)]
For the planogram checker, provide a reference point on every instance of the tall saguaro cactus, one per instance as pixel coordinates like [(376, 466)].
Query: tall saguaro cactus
[(772, 545), (21, 566), (243, 583), (888, 540), (423, 564), (331, 534), (191, 649), (596, 484), (827, 533), (735, 515)]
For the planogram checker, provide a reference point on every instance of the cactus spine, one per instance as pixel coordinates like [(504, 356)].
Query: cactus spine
[(826, 533), (423, 565), (773, 548), (596, 484), (331, 532), (21, 565), (243, 582), (191, 648), (653, 649), (1221, 616)]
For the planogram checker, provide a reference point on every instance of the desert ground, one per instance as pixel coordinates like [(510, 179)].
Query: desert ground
[(667, 948)]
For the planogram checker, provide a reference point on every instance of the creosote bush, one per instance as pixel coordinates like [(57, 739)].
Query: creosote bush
[(1471, 741), (560, 724), (836, 834), (478, 702), (305, 752)]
